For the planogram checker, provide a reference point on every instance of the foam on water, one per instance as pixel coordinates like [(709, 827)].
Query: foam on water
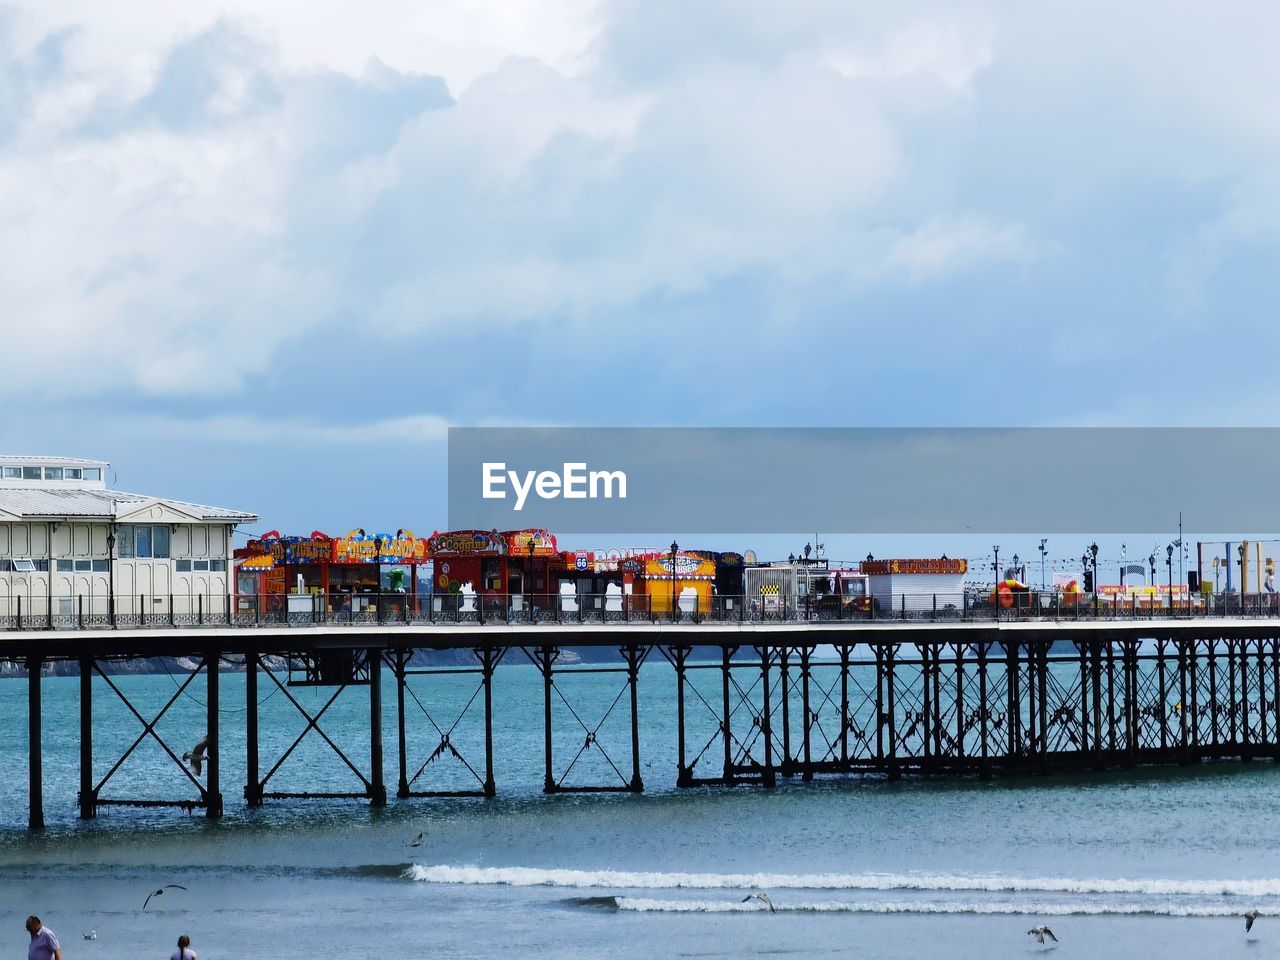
[(924, 882)]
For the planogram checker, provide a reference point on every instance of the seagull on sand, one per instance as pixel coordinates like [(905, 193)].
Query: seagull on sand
[(417, 841), (160, 892), (1040, 933), (1249, 917), (197, 755), (762, 897)]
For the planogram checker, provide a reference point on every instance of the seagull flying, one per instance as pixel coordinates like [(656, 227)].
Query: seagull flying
[(160, 892), (1040, 933), (197, 754), (763, 898), (1249, 917), (417, 841)]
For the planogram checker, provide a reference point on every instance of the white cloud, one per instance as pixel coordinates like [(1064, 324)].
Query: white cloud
[(943, 246)]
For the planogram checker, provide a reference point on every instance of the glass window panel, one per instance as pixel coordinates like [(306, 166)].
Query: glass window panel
[(124, 540), (100, 566), (218, 566), (93, 473), (182, 566), (23, 566), (30, 473), (72, 473), (42, 565), (53, 473), (83, 566), (160, 541), (65, 566), (142, 542), (13, 473)]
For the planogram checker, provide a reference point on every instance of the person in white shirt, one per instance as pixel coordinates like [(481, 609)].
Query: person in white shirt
[(184, 951)]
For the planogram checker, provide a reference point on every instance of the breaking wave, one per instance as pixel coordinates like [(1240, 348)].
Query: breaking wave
[(884, 882)]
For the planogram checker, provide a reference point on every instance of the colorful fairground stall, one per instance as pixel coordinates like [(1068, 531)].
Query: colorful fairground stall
[(658, 580), (330, 575), (511, 569)]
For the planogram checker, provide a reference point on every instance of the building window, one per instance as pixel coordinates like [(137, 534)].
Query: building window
[(92, 473), (65, 566), (23, 566), (101, 566), (182, 566), (72, 473), (5, 564), (218, 566), (143, 541), (200, 566), (53, 473), (30, 473), (13, 473)]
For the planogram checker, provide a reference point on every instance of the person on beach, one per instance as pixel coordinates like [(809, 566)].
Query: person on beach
[(184, 951), (44, 944)]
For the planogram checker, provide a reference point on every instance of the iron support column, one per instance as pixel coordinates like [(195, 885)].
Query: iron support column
[(768, 776), (488, 660), (402, 788), (678, 655), (633, 676), (546, 658), (377, 785), (725, 734), (213, 786), (252, 786), (35, 770), (88, 802)]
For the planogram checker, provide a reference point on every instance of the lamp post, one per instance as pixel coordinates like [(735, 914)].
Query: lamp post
[(1043, 553), (1169, 563), (675, 549), (528, 576), (1244, 586), (995, 564), (111, 573), (1093, 555)]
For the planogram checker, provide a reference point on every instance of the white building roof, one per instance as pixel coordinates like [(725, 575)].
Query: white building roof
[(43, 503), (27, 461)]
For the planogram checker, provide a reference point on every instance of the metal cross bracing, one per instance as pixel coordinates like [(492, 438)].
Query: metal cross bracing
[(372, 785), (751, 734), (207, 794), (583, 741), (443, 735), (839, 702)]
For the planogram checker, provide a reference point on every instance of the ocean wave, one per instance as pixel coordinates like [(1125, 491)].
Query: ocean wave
[(1006, 908), (885, 882)]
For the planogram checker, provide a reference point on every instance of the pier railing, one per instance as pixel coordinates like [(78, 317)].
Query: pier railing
[(85, 611)]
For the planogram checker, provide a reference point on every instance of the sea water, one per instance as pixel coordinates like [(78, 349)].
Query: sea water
[(1140, 863)]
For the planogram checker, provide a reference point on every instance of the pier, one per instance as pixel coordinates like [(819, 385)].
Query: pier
[(758, 702)]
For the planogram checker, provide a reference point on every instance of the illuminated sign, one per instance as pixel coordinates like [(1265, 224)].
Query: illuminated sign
[(939, 566), (519, 541), (467, 543)]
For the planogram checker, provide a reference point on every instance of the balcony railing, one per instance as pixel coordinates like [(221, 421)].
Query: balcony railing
[(86, 612)]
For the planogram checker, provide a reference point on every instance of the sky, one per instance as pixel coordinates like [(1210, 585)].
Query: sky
[(263, 254)]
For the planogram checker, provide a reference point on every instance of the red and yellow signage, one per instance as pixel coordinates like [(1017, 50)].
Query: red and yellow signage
[(519, 541), (687, 567), (940, 565), (467, 543)]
